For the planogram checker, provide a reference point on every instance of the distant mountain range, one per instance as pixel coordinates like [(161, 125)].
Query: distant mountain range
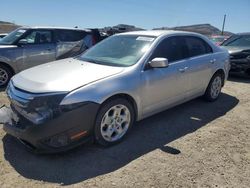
[(205, 29), (6, 27)]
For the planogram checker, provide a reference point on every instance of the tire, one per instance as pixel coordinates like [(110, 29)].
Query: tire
[(113, 122), (213, 90), (5, 75)]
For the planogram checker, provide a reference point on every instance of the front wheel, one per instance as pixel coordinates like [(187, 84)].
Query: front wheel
[(214, 88), (5, 75), (113, 121)]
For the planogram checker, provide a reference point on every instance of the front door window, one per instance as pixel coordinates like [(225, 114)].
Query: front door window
[(39, 37)]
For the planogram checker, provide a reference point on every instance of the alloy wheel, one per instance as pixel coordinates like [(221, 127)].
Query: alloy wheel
[(115, 123)]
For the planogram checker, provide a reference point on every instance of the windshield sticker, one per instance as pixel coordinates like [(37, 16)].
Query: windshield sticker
[(150, 39)]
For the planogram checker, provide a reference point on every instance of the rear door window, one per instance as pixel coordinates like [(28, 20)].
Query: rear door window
[(172, 48), (70, 35), (197, 46)]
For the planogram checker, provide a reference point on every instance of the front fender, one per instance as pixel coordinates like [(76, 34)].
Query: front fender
[(5, 60), (8, 62), (102, 90), (9, 57)]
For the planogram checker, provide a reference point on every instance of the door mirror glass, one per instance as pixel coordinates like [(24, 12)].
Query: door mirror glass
[(159, 62), (23, 41)]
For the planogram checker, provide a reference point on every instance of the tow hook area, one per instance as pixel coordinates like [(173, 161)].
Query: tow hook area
[(7, 115)]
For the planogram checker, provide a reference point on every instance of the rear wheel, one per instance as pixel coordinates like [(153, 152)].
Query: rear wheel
[(5, 75), (113, 121), (214, 88)]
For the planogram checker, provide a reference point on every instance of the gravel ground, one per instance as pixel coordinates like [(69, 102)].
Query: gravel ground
[(197, 144)]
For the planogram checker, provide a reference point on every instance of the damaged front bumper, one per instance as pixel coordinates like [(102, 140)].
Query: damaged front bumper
[(240, 65), (67, 130), (240, 62), (42, 124)]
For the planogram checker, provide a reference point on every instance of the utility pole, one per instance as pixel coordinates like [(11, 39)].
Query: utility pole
[(223, 26)]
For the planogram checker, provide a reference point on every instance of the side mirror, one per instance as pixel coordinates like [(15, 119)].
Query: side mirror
[(23, 41), (158, 62)]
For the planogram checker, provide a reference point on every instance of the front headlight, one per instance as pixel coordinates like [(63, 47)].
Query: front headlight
[(39, 116)]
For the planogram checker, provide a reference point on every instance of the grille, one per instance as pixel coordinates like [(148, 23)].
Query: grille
[(36, 108), (17, 97)]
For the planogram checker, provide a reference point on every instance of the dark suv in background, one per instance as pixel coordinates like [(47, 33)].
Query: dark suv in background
[(30, 46), (238, 46)]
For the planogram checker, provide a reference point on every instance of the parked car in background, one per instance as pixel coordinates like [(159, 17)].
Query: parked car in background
[(3, 35), (27, 47), (218, 39), (125, 78), (239, 48)]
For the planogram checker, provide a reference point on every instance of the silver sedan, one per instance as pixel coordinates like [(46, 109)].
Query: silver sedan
[(123, 79)]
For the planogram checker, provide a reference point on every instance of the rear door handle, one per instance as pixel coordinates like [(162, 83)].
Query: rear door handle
[(183, 69)]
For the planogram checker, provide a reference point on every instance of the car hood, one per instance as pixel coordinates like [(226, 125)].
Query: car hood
[(233, 49), (62, 76)]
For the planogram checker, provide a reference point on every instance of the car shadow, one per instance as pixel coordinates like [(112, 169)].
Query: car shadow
[(89, 161), (2, 89)]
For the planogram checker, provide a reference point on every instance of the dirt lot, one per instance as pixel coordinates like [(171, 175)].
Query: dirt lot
[(197, 144)]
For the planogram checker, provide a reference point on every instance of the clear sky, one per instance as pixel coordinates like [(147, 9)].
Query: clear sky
[(142, 13)]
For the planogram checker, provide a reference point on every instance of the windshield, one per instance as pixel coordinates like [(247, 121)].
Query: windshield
[(121, 50), (13, 36), (238, 40)]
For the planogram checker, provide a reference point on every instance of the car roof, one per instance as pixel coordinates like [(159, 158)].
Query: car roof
[(156, 33), (52, 27)]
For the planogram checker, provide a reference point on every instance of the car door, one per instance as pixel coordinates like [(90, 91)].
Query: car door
[(38, 48), (164, 87), (200, 65)]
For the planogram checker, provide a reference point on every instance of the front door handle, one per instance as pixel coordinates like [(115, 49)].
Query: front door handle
[(212, 61), (183, 69)]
